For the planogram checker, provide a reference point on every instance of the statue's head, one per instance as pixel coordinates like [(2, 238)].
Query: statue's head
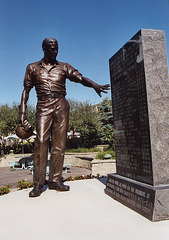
[(50, 47)]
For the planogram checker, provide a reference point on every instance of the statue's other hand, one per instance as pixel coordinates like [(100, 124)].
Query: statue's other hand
[(24, 122), (102, 88)]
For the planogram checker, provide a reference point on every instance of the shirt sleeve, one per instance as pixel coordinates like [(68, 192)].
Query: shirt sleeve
[(73, 74), (28, 80)]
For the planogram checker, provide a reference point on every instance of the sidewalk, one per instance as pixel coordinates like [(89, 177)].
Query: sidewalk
[(84, 213), (9, 176)]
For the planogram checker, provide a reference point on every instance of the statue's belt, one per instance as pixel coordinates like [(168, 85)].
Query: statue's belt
[(51, 95)]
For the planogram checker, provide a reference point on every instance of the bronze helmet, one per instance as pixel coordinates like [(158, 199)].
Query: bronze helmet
[(21, 133)]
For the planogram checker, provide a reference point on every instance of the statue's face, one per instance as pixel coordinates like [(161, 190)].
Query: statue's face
[(51, 50)]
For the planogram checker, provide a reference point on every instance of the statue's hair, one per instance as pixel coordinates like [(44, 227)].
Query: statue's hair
[(46, 41)]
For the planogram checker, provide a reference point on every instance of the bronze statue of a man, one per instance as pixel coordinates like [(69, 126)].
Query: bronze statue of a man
[(49, 78)]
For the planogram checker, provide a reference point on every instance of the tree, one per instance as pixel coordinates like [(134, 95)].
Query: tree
[(9, 117), (31, 114), (84, 120), (106, 121)]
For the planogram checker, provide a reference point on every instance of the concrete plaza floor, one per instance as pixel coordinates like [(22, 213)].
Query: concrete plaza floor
[(84, 213)]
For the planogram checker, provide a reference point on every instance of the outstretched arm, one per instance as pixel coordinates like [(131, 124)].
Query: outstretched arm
[(75, 76), (22, 110), (98, 88)]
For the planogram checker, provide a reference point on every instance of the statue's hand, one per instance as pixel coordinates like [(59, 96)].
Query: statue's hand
[(24, 122), (101, 88)]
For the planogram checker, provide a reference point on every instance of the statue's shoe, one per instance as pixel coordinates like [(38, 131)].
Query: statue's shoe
[(59, 186), (36, 191)]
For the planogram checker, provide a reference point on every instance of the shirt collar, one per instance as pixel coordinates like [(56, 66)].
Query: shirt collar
[(42, 63)]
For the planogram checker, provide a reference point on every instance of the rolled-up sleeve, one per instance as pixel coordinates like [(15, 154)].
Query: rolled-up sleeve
[(73, 74), (28, 80)]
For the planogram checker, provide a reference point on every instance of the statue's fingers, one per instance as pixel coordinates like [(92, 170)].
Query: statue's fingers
[(106, 86), (27, 125), (103, 91), (26, 128), (99, 93)]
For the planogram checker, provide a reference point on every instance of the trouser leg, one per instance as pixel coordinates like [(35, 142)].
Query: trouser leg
[(43, 128), (59, 136)]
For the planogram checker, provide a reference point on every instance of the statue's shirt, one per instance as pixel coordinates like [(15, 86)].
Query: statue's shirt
[(53, 80)]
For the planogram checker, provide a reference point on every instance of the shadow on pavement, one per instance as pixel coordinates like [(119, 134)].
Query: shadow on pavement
[(103, 180)]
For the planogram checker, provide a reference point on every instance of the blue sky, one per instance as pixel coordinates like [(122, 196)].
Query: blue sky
[(89, 32)]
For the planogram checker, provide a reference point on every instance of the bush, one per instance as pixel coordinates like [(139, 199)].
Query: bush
[(22, 184), (17, 147), (82, 142), (5, 149), (28, 147), (83, 150), (101, 154), (73, 143), (78, 178), (5, 189)]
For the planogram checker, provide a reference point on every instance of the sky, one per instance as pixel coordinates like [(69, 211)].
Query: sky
[(89, 32)]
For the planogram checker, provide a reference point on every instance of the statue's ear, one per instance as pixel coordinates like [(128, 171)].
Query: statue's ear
[(44, 49)]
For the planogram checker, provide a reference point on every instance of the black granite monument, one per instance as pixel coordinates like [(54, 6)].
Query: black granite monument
[(140, 96)]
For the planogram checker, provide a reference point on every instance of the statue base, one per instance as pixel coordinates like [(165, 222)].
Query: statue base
[(149, 201)]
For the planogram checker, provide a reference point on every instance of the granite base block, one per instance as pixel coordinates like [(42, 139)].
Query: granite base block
[(151, 202)]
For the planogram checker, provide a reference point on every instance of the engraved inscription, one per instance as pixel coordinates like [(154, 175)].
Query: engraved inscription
[(139, 198), (131, 124)]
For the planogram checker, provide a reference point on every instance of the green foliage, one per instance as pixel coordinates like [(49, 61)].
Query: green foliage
[(73, 143), (5, 189), (16, 148), (31, 114), (9, 118), (83, 150), (83, 120), (106, 122), (22, 184), (5, 149), (28, 147), (94, 127), (82, 177), (101, 154)]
